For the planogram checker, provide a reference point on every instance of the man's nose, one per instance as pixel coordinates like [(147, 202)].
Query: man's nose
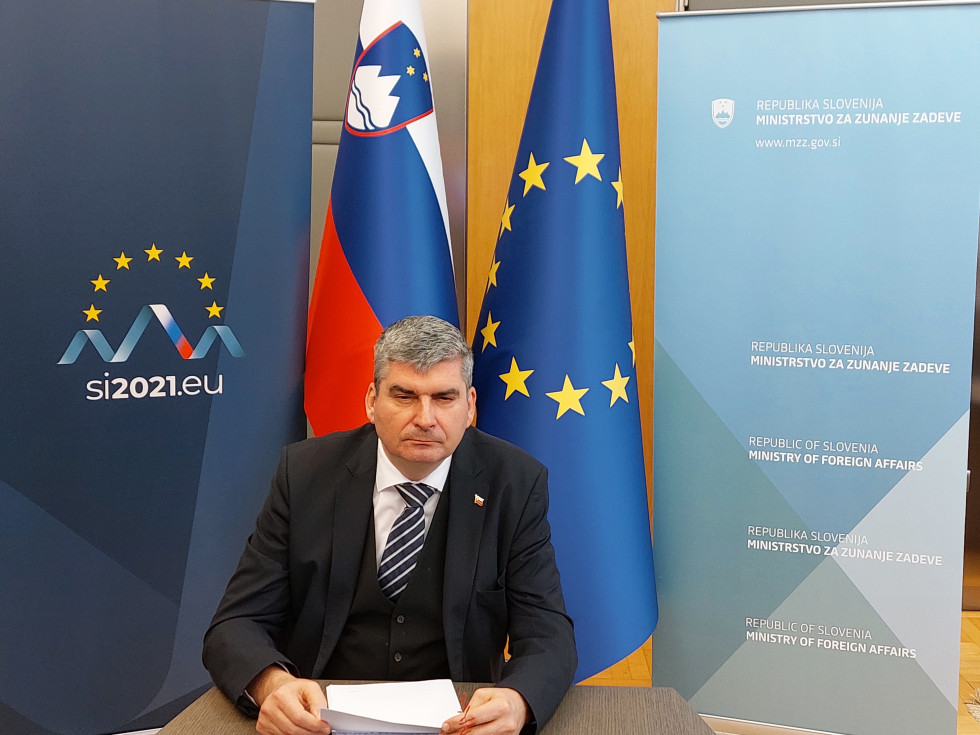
[(424, 415)]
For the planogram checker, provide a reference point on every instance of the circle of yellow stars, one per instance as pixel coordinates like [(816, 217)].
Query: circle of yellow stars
[(568, 397), (152, 254)]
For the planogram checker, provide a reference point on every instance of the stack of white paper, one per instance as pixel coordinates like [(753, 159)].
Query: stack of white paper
[(395, 707)]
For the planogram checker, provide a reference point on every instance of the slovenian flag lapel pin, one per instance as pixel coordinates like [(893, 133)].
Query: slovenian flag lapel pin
[(478, 500)]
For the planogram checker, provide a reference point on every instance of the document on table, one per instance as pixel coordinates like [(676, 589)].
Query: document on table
[(393, 707)]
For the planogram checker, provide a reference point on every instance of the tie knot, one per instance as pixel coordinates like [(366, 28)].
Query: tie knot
[(415, 493)]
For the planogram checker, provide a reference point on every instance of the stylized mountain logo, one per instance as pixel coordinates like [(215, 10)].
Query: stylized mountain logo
[(124, 268), (163, 315), (371, 104)]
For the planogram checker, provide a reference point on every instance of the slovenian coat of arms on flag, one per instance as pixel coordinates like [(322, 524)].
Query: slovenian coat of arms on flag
[(385, 252)]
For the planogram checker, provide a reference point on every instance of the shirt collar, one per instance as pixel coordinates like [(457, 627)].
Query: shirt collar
[(388, 475)]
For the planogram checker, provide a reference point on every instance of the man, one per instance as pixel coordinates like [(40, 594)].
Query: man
[(319, 593)]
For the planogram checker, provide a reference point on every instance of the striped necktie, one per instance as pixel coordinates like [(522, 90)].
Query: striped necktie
[(404, 541)]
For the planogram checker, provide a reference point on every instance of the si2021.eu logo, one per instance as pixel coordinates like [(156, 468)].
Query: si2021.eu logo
[(147, 315)]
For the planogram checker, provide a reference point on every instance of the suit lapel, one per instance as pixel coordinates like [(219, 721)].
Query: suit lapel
[(466, 516), (353, 500)]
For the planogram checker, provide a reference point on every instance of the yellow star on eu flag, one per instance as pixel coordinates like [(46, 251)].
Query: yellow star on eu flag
[(492, 277), (153, 253), (206, 281), (184, 260), (214, 309), (586, 162), (516, 379), (617, 387), (505, 217), (532, 174), (91, 313), (569, 398), (489, 332), (618, 186), (122, 261), (101, 283)]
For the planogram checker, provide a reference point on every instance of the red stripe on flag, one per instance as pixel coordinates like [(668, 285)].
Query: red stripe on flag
[(340, 337)]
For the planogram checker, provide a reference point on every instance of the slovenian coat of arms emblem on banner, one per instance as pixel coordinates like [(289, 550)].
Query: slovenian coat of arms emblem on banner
[(374, 105), (722, 112)]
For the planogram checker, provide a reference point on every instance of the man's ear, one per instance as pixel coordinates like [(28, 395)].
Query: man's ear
[(471, 404), (369, 400)]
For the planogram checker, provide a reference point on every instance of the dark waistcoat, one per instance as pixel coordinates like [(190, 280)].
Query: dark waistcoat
[(402, 641)]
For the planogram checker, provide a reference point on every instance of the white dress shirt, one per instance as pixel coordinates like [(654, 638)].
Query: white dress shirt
[(388, 502)]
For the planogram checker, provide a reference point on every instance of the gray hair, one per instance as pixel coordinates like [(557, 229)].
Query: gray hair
[(422, 342)]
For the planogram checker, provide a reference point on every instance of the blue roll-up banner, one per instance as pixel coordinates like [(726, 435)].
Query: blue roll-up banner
[(154, 245), (818, 196)]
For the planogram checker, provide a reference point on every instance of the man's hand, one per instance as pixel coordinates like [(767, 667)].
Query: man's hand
[(288, 706), (491, 711)]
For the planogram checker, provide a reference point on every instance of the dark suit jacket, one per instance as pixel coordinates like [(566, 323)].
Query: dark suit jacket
[(290, 596)]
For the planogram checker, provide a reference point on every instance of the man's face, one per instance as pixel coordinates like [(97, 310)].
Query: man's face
[(420, 417)]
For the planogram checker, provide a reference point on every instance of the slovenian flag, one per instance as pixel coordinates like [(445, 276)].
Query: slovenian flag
[(385, 252)]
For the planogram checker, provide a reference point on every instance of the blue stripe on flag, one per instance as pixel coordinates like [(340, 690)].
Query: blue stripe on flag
[(391, 228)]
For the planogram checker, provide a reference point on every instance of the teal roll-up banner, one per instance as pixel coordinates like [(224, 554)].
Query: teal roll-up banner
[(818, 199), (154, 249)]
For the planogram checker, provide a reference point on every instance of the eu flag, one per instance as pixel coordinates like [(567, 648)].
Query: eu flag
[(554, 354)]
